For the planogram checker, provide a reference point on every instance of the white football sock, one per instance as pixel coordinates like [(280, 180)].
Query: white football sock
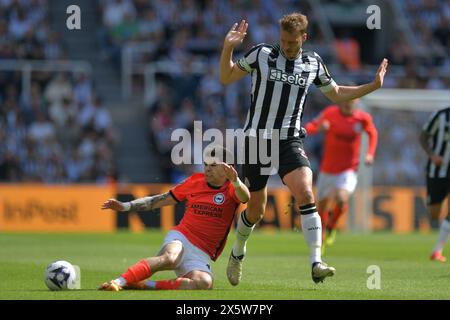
[(312, 231), (121, 281), (150, 284), (243, 230), (444, 231)]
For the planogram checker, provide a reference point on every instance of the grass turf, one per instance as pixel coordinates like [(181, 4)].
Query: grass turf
[(277, 267)]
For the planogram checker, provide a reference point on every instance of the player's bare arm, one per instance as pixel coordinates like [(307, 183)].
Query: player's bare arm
[(436, 159), (346, 93), (141, 204), (240, 189), (229, 71), (368, 161), (372, 133)]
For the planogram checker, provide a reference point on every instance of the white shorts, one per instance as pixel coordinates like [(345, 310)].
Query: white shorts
[(328, 183), (193, 258)]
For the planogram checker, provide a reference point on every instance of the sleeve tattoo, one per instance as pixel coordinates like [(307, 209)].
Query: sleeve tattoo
[(148, 203)]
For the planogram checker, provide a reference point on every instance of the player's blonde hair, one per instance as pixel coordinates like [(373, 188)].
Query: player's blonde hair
[(294, 22)]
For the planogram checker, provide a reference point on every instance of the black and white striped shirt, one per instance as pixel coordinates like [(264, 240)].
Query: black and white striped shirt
[(438, 127), (279, 88)]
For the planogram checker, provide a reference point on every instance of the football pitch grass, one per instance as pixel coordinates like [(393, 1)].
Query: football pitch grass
[(276, 268)]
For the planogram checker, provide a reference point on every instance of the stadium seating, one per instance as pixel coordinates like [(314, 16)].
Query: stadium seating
[(61, 132)]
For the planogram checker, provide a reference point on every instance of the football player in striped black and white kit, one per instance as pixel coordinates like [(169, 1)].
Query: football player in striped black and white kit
[(281, 76), (435, 140)]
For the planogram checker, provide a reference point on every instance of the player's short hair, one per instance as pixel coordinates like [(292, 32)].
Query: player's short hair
[(218, 153), (294, 22)]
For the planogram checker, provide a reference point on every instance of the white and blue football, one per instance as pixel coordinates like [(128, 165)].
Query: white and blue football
[(60, 275)]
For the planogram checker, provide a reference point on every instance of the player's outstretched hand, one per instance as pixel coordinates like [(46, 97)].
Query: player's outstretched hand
[(379, 77), (236, 34), (324, 126), (436, 159), (230, 172), (369, 160), (113, 204)]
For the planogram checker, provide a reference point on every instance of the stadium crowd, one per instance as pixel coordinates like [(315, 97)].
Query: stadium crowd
[(61, 132), (186, 31)]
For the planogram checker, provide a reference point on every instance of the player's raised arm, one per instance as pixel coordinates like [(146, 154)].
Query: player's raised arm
[(229, 71), (141, 204), (346, 93), (241, 191)]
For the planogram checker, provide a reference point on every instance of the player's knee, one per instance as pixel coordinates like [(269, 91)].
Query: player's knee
[(169, 260), (342, 197), (204, 283), (255, 214), (341, 201), (305, 197), (435, 211)]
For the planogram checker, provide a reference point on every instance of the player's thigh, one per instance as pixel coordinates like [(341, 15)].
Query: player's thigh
[(299, 182), (448, 205), (326, 186), (345, 185), (172, 249), (256, 205), (435, 210), (437, 190), (203, 280), (172, 254), (253, 177), (448, 198), (253, 169), (342, 195)]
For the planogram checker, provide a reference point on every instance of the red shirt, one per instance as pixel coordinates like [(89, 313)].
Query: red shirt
[(343, 138), (209, 213)]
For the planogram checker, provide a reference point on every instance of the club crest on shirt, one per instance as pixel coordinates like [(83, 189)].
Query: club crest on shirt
[(219, 198)]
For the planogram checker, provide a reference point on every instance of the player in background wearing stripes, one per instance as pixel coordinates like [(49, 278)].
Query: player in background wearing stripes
[(281, 75), (435, 140), (212, 199), (343, 126)]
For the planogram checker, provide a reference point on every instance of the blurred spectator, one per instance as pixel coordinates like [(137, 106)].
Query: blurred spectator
[(411, 80), (348, 51), (58, 89), (400, 51), (41, 129), (161, 124), (74, 142), (82, 90), (115, 11), (189, 33)]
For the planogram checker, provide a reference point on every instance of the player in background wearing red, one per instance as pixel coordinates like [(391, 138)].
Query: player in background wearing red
[(343, 126), (212, 199)]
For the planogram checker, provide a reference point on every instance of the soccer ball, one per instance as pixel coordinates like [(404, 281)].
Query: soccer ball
[(60, 275)]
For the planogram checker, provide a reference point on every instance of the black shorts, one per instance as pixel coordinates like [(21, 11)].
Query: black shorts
[(290, 157), (437, 190)]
